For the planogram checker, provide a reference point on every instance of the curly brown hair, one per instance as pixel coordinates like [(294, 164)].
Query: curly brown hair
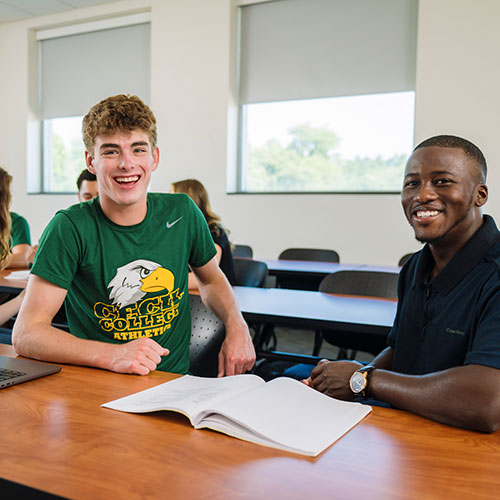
[(118, 112), (5, 219)]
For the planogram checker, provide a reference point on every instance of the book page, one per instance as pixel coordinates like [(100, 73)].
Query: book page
[(188, 394), (284, 413)]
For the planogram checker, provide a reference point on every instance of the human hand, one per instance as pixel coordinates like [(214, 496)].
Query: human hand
[(140, 356), (308, 381), (237, 354), (332, 378), (30, 253)]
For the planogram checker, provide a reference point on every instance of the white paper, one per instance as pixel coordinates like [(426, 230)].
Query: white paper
[(18, 275), (282, 413)]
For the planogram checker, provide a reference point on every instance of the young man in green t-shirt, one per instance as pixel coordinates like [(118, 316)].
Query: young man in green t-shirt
[(122, 263)]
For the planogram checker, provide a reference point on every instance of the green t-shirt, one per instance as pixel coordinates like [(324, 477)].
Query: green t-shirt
[(20, 230), (127, 282)]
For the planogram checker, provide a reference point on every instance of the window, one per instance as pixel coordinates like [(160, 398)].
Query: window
[(326, 95), (344, 144), (79, 66)]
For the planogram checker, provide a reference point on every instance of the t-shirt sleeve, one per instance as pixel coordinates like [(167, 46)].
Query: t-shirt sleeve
[(485, 346), (20, 231), (202, 243), (58, 253)]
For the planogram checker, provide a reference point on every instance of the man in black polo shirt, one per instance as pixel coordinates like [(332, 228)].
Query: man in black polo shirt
[(443, 359)]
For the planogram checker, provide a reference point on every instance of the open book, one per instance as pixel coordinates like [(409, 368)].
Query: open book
[(283, 413)]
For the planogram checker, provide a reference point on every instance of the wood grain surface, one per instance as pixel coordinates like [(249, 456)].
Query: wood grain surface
[(55, 437)]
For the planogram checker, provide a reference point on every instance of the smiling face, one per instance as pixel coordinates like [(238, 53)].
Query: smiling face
[(442, 195), (123, 162)]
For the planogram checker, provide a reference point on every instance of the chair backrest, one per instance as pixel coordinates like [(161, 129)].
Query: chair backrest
[(404, 259), (250, 272), (242, 251), (366, 283), (317, 254), (207, 335)]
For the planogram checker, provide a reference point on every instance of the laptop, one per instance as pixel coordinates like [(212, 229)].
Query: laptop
[(15, 371)]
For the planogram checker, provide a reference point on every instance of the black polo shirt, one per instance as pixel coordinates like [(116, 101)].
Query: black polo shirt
[(453, 319)]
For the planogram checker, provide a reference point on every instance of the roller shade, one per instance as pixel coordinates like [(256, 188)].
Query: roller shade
[(299, 49), (79, 70)]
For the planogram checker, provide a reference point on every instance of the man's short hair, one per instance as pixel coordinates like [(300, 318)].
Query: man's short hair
[(119, 112), (85, 175), (452, 141)]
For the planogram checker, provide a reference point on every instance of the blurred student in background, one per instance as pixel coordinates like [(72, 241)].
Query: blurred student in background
[(87, 186), (87, 190), (15, 241), (197, 192), (14, 244)]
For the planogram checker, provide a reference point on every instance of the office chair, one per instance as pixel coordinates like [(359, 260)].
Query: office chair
[(250, 272), (404, 259), (309, 254), (253, 273), (244, 251), (207, 335), (304, 283), (365, 283)]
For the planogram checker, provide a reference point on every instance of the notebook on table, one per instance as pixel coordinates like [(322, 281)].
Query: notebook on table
[(15, 371)]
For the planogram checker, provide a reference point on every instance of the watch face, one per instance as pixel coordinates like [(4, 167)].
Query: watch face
[(357, 382)]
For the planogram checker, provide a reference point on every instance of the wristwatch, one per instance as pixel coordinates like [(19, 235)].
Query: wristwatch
[(359, 379)]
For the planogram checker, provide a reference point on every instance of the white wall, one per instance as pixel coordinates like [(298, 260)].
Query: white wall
[(193, 88)]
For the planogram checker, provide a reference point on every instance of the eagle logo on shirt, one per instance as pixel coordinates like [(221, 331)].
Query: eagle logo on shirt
[(131, 314), (133, 280)]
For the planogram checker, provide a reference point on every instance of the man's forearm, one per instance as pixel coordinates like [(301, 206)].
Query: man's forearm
[(45, 342), (237, 354), (10, 308), (384, 360), (19, 257), (457, 396)]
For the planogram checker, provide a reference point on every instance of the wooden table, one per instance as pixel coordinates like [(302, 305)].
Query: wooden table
[(56, 438), (9, 285)]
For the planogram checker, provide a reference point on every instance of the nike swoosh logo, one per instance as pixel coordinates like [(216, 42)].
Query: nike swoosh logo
[(170, 224)]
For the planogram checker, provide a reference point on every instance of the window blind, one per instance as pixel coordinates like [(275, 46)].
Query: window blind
[(79, 70), (299, 49)]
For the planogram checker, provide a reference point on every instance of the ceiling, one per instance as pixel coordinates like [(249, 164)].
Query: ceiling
[(17, 10)]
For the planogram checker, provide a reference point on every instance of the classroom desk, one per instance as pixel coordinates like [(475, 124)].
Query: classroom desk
[(9, 285), (296, 308), (308, 309), (312, 310), (317, 269), (56, 438), (305, 268), (310, 273)]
